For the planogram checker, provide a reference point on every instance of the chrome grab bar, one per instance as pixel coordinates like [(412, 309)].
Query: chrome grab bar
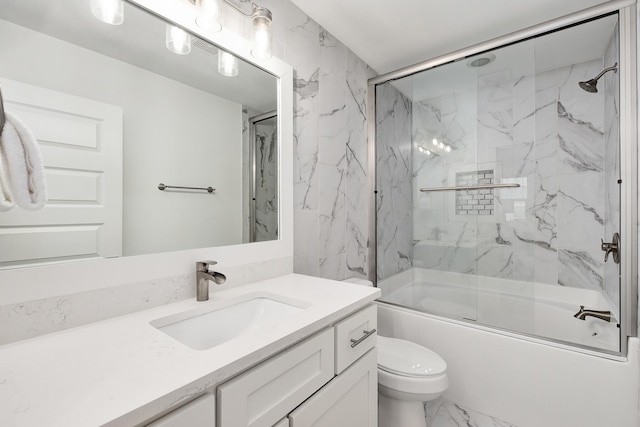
[(362, 338), (163, 187), (469, 187)]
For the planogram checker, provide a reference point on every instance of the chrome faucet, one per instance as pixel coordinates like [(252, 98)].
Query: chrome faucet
[(203, 275), (603, 315)]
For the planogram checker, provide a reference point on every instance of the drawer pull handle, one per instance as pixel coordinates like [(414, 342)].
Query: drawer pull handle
[(362, 338)]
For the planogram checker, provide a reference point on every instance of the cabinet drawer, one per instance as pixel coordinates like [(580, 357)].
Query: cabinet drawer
[(265, 394), (199, 413), (355, 335)]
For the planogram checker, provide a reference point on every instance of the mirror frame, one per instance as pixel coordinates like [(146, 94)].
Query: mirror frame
[(32, 283)]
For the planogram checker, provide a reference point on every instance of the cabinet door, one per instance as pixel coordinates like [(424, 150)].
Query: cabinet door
[(265, 394), (199, 413), (350, 399)]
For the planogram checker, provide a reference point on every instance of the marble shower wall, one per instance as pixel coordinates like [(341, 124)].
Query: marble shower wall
[(330, 188), (543, 132), (394, 176), (266, 180)]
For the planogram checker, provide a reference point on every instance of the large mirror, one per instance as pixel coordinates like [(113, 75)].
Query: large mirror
[(122, 121)]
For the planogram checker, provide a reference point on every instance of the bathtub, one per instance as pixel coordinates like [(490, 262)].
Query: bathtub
[(519, 378), (534, 310)]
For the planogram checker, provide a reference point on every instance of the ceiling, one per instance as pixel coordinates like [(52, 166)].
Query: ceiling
[(389, 35)]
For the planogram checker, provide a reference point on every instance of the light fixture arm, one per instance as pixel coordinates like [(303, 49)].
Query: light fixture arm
[(254, 7)]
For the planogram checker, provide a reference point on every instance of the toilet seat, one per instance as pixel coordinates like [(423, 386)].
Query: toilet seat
[(408, 359)]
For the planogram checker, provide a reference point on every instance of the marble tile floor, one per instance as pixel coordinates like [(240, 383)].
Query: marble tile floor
[(449, 414)]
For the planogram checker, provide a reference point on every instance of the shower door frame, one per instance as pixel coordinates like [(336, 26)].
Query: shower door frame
[(626, 11)]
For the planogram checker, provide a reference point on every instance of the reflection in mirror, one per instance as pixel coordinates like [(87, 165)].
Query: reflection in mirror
[(116, 113)]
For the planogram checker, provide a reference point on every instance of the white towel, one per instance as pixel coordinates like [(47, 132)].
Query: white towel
[(6, 197), (24, 169)]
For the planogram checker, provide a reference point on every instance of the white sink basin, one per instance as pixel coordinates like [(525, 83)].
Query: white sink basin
[(206, 330)]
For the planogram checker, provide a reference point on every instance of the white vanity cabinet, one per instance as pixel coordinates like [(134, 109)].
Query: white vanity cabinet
[(198, 413), (329, 379)]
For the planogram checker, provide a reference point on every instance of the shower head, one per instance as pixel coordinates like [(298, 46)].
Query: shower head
[(592, 85)]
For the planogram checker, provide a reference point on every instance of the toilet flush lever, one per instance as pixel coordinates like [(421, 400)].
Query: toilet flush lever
[(362, 338), (611, 248)]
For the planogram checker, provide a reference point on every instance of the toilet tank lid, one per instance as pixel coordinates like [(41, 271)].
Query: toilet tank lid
[(407, 358)]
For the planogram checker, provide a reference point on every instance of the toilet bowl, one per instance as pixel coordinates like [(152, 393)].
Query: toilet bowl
[(408, 376)]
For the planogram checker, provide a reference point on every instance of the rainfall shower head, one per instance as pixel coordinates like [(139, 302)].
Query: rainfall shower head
[(592, 85)]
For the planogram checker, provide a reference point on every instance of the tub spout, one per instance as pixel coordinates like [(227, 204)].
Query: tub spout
[(605, 315)]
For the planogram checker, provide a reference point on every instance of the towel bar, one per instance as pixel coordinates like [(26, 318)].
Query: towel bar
[(470, 187), (162, 187)]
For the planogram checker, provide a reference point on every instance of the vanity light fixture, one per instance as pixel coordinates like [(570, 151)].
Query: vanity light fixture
[(109, 11), (261, 18), (438, 148), (178, 40), (209, 17), (261, 33), (227, 64)]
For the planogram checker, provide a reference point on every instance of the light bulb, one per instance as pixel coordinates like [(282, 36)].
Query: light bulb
[(209, 18), (227, 64), (178, 40), (109, 11), (428, 153), (434, 141), (261, 19), (447, 148), (441, 145)]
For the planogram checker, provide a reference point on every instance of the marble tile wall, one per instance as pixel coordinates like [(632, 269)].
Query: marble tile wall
[(545, 133), (331, 197), (266, 180), (394, 173)]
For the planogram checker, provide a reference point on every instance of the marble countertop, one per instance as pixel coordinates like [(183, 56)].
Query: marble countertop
[(123, 371)]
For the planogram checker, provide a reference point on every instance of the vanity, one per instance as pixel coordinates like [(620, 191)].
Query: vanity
[(316, 364)]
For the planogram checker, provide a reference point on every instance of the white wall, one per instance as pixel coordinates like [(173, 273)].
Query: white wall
[(156, 147)]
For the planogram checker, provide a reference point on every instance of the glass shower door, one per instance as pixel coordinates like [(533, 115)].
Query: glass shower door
[(497, 177)]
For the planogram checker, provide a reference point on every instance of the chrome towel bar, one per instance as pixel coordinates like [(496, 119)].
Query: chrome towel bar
[(470, 187), (163, 187)]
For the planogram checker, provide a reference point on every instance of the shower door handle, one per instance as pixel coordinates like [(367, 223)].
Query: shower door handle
[(611, 248)]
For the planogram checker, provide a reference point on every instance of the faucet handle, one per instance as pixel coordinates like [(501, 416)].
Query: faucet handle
[(204, 265)]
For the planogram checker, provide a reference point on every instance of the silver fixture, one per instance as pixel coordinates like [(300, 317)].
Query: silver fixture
[(469, 187), (366, 335), (611, 248), (2, 116), (163, 187), (203, 275), (481, 60), (261, 19), (605, 315), (591, 85)]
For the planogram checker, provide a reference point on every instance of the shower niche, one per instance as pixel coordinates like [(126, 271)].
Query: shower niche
[(497, 176)]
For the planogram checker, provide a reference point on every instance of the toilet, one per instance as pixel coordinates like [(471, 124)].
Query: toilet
[(408, 376)]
